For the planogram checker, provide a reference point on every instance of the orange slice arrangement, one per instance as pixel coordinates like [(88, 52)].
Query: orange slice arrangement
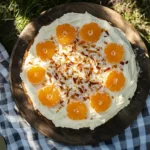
[(45, 50), (49, 96), (115, 81), (76, 110), (65, 34), (114, 53), (90, 32), (100, 102), (35, 74)]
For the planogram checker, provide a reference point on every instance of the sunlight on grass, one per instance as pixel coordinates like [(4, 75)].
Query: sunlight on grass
[(21, 22), (135, 16)]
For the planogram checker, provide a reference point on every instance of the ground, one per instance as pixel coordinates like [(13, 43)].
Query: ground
[(15, 14)]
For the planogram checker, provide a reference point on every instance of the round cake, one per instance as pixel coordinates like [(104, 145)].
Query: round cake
[(79, 71)]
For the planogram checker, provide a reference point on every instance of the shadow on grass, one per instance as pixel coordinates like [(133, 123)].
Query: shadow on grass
[(8, 34), (144, 7)]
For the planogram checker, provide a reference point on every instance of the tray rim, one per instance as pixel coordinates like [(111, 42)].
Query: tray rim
[(15, 46)]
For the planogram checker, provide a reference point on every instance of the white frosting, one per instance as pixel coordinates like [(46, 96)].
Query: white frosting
[(121, 98)]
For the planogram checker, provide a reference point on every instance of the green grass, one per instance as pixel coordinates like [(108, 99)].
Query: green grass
[(138, 14), (16, 14)]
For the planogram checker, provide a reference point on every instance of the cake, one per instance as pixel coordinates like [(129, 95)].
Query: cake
[(80, 71)]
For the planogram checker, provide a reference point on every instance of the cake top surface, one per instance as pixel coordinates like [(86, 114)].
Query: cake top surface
[(80, 71)]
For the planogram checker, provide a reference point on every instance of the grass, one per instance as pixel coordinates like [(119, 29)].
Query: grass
[(16, 14), (138, 14)]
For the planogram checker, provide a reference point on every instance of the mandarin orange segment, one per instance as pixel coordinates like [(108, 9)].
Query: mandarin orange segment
[(100, 102), (65, 34), (45, 50), (35, 74), (77, 110), (49, 96), (115, 81), (114, 53), (90, 32)]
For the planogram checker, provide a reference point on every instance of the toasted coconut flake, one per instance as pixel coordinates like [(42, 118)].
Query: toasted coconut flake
[(107, 69)]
